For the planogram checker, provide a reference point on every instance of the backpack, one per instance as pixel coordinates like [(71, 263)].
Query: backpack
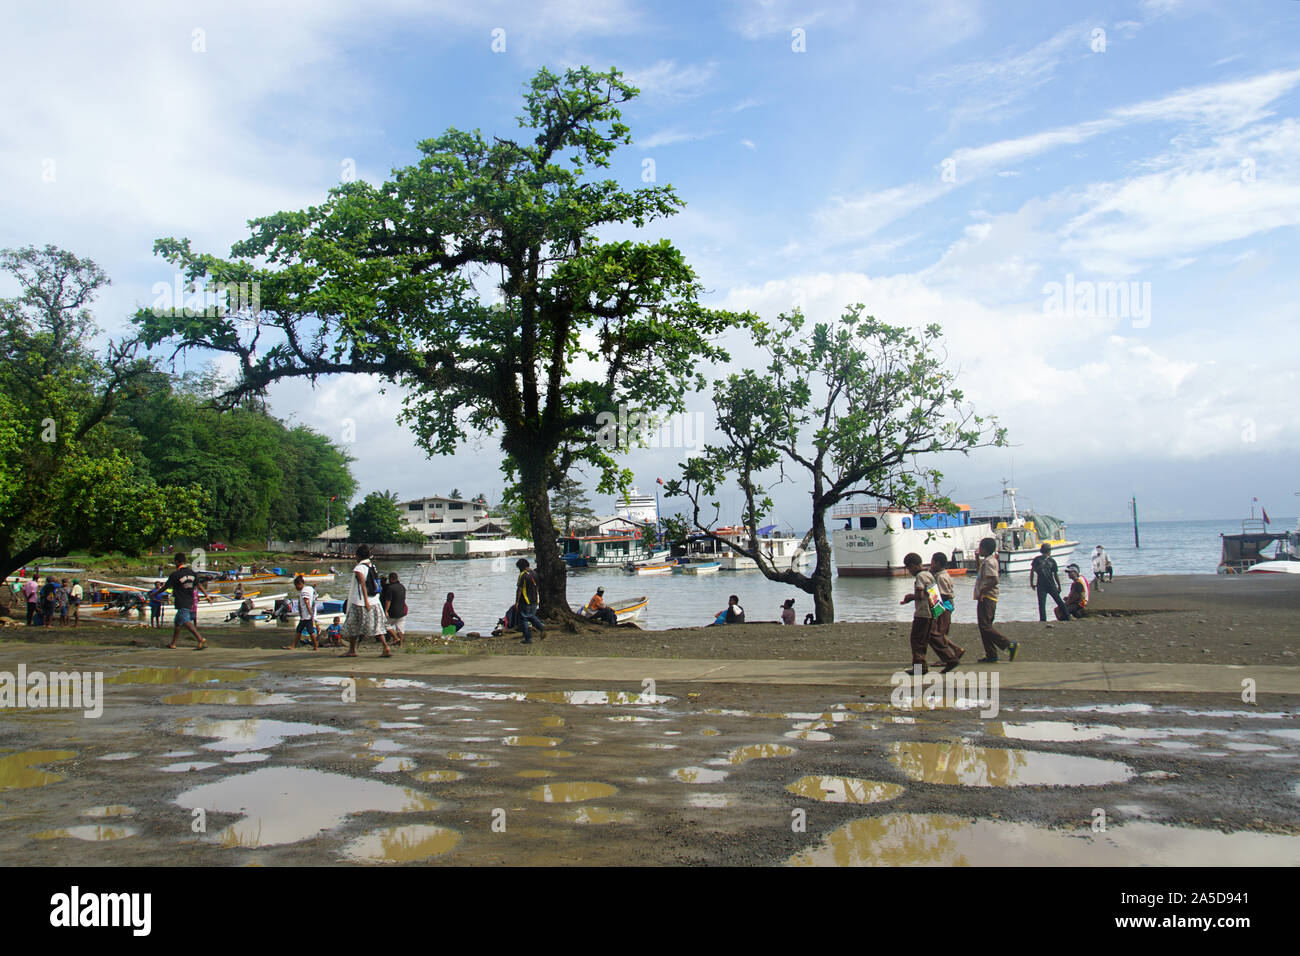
[(372, 580)]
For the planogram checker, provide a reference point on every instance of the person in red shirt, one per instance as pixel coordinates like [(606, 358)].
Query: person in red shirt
[(451, 622)]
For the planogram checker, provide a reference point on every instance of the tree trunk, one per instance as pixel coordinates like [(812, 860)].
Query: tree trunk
[(823, 581), (552, 583)]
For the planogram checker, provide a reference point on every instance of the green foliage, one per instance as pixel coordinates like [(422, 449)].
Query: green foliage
[(515, 512), (379, 279), (65, 482), (675, 529), (852, 404), (257, 471), (570, 505)]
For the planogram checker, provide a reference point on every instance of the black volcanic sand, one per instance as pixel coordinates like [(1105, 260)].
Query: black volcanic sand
[(1201, 619)]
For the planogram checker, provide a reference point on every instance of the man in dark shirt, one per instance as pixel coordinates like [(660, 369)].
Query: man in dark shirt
[(184, 583), (47, 602), (1043, 576), (735, 614), (392, 598)]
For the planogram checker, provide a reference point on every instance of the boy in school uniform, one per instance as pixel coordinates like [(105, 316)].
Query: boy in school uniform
[(923, 635)]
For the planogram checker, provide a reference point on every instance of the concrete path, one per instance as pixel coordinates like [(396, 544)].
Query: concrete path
[(1128, 678)]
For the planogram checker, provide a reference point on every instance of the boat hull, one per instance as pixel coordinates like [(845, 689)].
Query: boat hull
[(879, 554)]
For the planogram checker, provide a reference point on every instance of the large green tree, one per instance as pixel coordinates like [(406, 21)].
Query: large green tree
[(850, 405), (65, 484), (381, 279)]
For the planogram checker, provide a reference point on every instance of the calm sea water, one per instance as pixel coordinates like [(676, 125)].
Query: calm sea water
[(485, 588)]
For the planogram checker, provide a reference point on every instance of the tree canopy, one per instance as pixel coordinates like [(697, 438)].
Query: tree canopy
[(258, 473), (385, 279), (64, 481), (850, 405)]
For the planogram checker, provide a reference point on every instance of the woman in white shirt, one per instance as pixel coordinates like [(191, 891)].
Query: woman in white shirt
[(365, 617)]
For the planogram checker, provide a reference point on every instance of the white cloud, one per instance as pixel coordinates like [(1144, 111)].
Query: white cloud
[(988, 89), (670, 137), (665, 80), (842, 219)]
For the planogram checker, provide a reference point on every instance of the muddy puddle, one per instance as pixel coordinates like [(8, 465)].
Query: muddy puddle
[(531, 741), (402, 844), (698, 775), (597, 815), (91, 832), (279, 805), (438, 776), (254, 733), (758, 752), (571, 792), (845, 790), (906, 839), (21, 770), (231, 698), (178, 675), (958, 764), (111, 811)]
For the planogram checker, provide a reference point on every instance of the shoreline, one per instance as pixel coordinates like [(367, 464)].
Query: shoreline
[(1203, 619)]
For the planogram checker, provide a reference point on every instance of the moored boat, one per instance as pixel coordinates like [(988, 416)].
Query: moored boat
[(784, 551), (699, 567), (876, 537), (626, 611), (1247, 552), (655, 567)]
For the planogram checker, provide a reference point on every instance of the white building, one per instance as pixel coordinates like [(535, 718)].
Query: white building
[(448, 514)]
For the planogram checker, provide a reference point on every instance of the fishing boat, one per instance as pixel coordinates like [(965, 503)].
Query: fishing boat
[(626, 611), (652, 567), (314, 577), (1247, 553), (784, 551), (876, 537), (1021, 536), (609, 550), (699, 567)]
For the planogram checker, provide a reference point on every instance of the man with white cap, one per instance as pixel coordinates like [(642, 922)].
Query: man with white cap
[(1098, 566)]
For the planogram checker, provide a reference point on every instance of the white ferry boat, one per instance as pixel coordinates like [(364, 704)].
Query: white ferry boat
[(1020, 536), (782, 550), (876, 537)]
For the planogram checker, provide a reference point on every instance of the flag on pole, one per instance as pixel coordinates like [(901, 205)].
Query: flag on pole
[(1265, 511), (660, 480)]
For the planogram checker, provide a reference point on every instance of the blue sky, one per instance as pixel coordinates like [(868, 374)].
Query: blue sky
[(939, 161)]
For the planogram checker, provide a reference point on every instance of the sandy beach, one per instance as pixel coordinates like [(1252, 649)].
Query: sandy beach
[(1204, 619)]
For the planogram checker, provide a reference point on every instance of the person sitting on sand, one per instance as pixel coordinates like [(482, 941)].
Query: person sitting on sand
[(734, 614), (451, 622), (334, 634), (1077, 599), (597, 609), (787, 611)]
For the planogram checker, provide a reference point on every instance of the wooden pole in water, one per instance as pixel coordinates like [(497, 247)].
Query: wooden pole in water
[(1136, 543)]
